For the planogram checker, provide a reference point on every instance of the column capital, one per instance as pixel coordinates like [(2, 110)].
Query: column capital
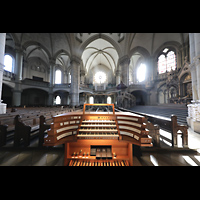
[(52, 61), (20, 51), (124, 60), (75, 59)]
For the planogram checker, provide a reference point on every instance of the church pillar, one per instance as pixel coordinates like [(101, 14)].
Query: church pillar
[(2, 50), (52, 63), (151, 69), (68, 78), (65, 77), (75, 81), (18, 64), (192, 47), (193, 119), (197, 44), (118, 77), (50, 98), (82, 72), (193, 66), (16, 98), (197, 61), (124, 62)]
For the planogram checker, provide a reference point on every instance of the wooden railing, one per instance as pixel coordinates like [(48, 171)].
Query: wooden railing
[(167, 124)]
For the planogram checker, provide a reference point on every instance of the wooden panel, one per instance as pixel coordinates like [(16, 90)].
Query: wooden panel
[(78, 131)]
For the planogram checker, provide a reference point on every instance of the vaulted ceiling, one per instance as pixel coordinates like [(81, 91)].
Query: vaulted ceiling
[(100, 52), (93, 48)]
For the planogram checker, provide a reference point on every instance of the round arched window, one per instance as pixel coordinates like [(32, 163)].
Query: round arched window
[(58, 100)]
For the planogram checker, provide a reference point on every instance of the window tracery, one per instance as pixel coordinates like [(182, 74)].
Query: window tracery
[(166, 61)]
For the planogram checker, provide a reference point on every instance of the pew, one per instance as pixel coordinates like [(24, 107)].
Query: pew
[(22, 131), (42, 130), (3, 134), (30, 117)]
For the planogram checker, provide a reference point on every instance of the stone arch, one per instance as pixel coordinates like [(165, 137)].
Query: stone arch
[(60, 52), (29, 43), (172, 44), (34, 97), (105, 37), (141, 96), (144, 52)]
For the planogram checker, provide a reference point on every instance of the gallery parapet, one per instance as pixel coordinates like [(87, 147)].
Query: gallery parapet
[(35, 82), (63, 85)]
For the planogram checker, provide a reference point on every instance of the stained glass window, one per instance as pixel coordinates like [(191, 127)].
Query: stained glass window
[(171, 61), (166, 61), (162, 64)]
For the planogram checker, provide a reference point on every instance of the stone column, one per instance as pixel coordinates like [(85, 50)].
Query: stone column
[(193, 66), (18, 64), (2, 51), (124, 62), (197, 44), (75, 81), (192, 47), (52, 72), (50, 98), (16, 98), (82, 72), (52, 63), (65, 76), (193, 109), (151, 70), (197, 61), (68, 78), (118, 77)]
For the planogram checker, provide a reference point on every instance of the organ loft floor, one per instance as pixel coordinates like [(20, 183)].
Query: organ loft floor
[(54, 156)]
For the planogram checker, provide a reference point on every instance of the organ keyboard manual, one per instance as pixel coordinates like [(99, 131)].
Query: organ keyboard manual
[(98, 136)]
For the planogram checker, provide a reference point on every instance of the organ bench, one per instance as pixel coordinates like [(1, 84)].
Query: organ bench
[(98, 136)]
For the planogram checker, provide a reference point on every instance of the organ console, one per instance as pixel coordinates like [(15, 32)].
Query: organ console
[(98, 136)]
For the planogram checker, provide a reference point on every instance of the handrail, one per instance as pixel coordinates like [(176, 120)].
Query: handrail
[(167, 124)]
